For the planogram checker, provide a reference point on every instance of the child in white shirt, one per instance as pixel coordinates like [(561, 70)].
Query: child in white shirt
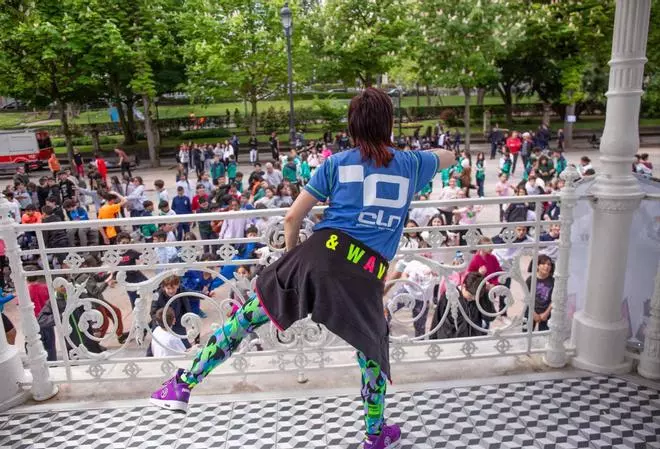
[(161, 192), (163, 343)]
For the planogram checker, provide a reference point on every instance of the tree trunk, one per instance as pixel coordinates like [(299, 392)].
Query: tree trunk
[(428, 96), (130, 120), (508, 106), (129, 139), (466, 117), (481, 94), (568, 127), (253, 115), (149, 131), (547, 109), (506, 93), (96, 145), (69, 111), (417, 93), (64, 118), (486, 127)]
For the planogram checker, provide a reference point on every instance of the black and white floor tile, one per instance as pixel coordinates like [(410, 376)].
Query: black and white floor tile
[(584, 412)]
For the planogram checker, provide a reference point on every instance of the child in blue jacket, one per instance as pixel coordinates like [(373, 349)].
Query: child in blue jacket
[(200, 281)]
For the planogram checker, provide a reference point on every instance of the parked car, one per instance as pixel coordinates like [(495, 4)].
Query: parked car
[(395, 92), (12, 105)]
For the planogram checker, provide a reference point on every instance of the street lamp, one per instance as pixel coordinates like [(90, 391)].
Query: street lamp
[(399, 89), (287, 23)]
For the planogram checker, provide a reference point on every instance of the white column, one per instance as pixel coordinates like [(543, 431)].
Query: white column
[(649, 362), (12, 375), (42, 387), (11, 370), (599, 331)]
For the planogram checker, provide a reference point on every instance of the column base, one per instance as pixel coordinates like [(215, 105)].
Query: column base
[(41, 392), (651, 372), (12, 375), (600, 347), (555, 359), (649, 361)]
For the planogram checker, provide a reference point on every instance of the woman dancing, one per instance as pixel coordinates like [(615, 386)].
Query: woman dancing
[(337, 275)]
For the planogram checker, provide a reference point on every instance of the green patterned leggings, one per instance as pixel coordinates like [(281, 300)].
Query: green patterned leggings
[(227, 338)]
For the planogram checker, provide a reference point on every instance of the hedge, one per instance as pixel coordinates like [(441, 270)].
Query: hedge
[(306, 117)]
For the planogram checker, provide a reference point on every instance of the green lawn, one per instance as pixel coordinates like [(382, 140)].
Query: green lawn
[(15, 119), (595, 124), (178, 111)]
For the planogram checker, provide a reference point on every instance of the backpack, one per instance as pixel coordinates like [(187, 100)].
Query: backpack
[(517, 212)]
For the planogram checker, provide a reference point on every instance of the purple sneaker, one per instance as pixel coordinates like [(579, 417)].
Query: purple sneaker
[(173, 395), (389, 438)]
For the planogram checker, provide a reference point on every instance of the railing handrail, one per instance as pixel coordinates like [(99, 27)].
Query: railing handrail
[(274, 212), (279, 212)]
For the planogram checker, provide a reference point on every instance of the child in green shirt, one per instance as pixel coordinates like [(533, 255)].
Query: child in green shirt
[(289, 170), (238, 183), (305, 171), (217, 168), (445, 174), (148, 229), (481, 173), (232, 167), (505, 163)]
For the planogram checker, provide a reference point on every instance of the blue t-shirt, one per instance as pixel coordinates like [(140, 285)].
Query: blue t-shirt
[(370, 203)]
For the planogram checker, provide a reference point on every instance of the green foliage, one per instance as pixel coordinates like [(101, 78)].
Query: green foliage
[(331, 115), (651, 98), (463, 39), (49, 56), (565, 48), (204, 133), (304, 117), (86, 140), (355, 39), (233, 48), (651, 105)]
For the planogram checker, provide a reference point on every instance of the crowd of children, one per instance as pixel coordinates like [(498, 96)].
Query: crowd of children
[(207, 179)]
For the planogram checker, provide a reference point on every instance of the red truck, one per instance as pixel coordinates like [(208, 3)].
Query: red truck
[(29, 148)]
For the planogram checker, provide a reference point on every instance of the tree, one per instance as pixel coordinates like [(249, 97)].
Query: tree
[(50, 56), (145, 61), (567, 52), (651, 99), (356, 39), (463, 39), (235, 48)]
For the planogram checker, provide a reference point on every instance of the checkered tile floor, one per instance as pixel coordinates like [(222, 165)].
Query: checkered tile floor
[(590, 412)]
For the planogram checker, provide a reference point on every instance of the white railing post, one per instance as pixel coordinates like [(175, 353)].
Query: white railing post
[(649, 362), (555, 355), (42, 387)]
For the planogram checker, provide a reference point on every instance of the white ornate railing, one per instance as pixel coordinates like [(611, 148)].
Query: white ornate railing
[(305, 346)]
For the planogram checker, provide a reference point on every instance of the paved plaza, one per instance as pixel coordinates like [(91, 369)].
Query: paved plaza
[(544, 411)]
